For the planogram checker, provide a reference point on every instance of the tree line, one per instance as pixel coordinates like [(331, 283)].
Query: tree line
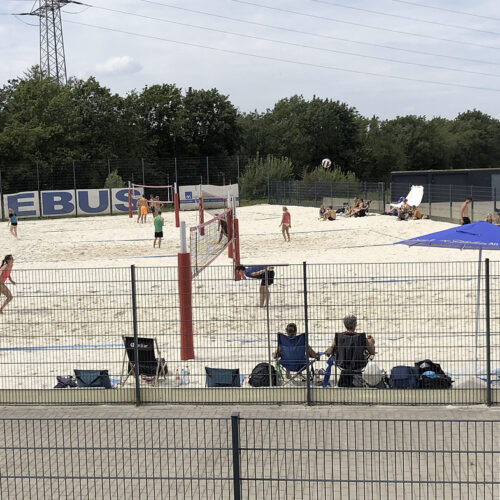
[(41, 121)]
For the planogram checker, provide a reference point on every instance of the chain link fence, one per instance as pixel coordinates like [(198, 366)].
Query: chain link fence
[(62, 320), (313, 194)]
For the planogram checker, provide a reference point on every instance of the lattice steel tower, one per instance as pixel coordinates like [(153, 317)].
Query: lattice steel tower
[(52, 60)]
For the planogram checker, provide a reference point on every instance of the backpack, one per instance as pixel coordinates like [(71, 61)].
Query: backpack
[(260, 375), (404, 377)]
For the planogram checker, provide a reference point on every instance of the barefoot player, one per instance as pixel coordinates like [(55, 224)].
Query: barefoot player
[(5, 270), (142, 209), (263, 273), (158, 223)]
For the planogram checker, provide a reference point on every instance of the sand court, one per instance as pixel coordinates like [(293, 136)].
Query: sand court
[(73, 298)]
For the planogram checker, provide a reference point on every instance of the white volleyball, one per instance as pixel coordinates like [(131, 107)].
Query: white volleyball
[(326, 163)]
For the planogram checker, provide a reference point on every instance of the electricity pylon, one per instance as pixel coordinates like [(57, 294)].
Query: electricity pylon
[(52, 59)]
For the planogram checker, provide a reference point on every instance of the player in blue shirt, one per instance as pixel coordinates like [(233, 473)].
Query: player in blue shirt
[(12, 222), (264, 273)]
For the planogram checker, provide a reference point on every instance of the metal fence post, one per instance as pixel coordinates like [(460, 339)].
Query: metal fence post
[(74, 189), (488, 339), (134, 324), (235, 432), (451, 205), (143, 177), (429, 197), (175, 167), (38, 188), (306, 330), (1, 196), (238, 169), (268, 166), (208, 175)]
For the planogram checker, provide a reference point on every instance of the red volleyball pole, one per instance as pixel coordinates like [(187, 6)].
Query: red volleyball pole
[(185, 298), (176, 205)]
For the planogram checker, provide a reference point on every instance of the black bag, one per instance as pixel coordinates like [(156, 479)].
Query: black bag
[(441, 381), (222, 377), (404, 377), (429, 366), (65, 382), (260, 375), (92, 378)]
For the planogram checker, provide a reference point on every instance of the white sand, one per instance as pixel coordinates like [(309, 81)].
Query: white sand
[(94, 309)]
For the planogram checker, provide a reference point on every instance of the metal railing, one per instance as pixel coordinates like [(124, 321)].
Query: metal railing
[(240, 458), (443, 202), (62, 320), (313, 194)]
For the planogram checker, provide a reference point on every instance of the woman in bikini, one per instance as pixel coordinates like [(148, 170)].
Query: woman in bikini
[(286, 224), (5, 270)]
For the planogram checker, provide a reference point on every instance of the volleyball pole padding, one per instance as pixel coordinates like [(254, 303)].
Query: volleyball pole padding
[(185, 298), (236, 256)]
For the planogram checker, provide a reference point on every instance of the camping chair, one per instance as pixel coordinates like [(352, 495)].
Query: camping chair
[(150, 364), (350, 361), (293, 357)]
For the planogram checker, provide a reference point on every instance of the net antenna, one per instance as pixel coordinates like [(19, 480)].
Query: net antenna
[(156, 196)]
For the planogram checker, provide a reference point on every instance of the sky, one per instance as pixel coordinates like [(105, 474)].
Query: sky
[(384, 57)]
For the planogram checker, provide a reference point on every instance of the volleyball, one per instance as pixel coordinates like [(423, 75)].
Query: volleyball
[(326, 163)]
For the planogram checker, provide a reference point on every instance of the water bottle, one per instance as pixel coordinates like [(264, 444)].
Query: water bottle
[(177, 378), (186, 375), (183, 377)]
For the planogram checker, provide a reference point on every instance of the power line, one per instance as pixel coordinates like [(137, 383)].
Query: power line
[(444, 9), (300, 45), (323, 18), (278, 59), (406, 18), (318, 35)]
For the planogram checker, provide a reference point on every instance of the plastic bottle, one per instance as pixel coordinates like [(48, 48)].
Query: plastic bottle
[(183, 377), (177, 378), (186, 375)]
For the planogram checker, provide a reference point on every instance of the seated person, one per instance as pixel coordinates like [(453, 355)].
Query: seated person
[(362, 208), (330, 214), (349, 210), (489, 218), (351, 351), (322, 211), (415, 213), (291, 331), (497, 220), (403, 210)]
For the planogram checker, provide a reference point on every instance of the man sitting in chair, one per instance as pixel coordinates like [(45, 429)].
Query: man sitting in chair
[(291, 331), (351, 351)]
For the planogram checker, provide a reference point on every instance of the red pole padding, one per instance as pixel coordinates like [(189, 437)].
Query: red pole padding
[(185, 306), (176, 208), (229, 223), (130, 214), (236, 257)]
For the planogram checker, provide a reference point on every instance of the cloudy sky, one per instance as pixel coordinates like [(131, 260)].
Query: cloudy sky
[(385, 57)]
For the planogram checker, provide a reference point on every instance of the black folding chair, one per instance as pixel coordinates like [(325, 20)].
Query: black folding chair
[(149, 360)]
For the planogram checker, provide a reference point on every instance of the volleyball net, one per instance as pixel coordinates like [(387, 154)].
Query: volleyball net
[(209, 239), (156, 197)]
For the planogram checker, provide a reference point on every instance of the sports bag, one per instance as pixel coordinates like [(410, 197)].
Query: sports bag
[(404, 377), (65, 382), (260, 375), (433, 380), (92, 378)]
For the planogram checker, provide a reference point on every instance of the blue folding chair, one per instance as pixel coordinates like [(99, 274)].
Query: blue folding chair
[(294, 358)]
